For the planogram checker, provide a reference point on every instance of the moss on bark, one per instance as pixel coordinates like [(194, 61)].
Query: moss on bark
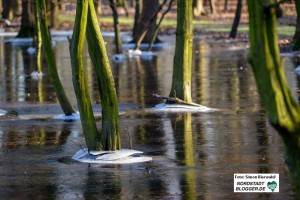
[(52, 69), (283, 110), (86, 24), (182, 68)]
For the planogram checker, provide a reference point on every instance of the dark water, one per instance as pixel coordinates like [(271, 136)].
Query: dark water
[(194, 154)]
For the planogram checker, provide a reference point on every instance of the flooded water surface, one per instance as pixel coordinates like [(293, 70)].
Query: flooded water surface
[(195, 154)]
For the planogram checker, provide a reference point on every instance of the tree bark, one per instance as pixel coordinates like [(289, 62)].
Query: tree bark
[(54, 78), (225, 5), (118, 41), (137, 14), (91, 134), (27, 22), (54, 14), (212, 5), (110, 136), (182, 68), (86, 23), (149, 13), (296, 38), (38, 37), (198, 7), (7, 9), (283, 110), (236, 21), (158, 25)]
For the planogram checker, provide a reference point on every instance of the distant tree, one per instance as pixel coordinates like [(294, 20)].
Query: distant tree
[(1, 9), (198, 7), (296, 38), (9, 7), (212, 4), (38, 37), (149, 13), (159, 23), (264, 56), (138, 6), (86, 24), (54, 10), (52, 69), (27, 22), (235, 25), (152, 21), (97, 4), (225, 5), (118, 41), (122, 4)]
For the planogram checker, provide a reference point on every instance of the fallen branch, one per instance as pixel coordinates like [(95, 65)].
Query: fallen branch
[(173, 100)]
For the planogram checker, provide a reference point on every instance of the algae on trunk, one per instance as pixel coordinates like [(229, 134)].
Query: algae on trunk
[(182, 67)]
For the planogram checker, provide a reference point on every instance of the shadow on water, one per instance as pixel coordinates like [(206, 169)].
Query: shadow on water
[(194, 154)]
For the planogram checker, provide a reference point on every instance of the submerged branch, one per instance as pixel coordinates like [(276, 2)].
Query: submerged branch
[(173, 100)]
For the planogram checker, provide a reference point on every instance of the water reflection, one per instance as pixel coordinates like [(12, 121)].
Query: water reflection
[(102, 184), (195, 155)]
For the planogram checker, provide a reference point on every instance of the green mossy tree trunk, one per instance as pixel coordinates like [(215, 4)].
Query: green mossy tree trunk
[(86, 23), (91, 134), (52, 69), (182, 68), (118, 41), (282, 109), (110, 136), (38, 38), (296, 38)]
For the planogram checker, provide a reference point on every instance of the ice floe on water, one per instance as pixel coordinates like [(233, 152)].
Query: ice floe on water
[(181, 108), (2, 112), (123, 156), (36, 75), (72, 117), (118, 58)]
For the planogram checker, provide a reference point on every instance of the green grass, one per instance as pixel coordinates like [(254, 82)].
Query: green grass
[(205, 25)]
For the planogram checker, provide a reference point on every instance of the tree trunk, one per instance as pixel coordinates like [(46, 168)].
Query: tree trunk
[(137, 13), (198, 7), (54, 14), (158, 25), (123, 4), (54, 78), (86, 23), (212, 5), (110, 137), (7, 9), (283, 110), (1, 9), (118, 41), (225, 5), (91, 134), (98, 8), (38, 37), (149, 13), (182, 68), (27, 22), (296, 39), (236, 21)]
